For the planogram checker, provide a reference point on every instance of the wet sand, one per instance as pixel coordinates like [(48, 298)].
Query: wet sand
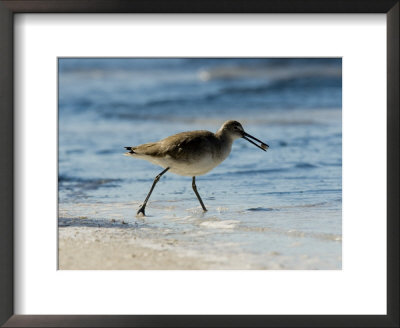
[(122, 248), (99, 249), (112, 244)]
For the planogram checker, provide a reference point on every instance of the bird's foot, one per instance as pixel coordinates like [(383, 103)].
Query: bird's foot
[(141, 211)]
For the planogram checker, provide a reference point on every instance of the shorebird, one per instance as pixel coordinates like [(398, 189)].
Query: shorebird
[(191, 153)]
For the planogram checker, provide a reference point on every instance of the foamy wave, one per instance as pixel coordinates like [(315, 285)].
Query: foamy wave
[(224, 224)]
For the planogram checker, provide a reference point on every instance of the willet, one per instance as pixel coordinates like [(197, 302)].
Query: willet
[(191, 153)]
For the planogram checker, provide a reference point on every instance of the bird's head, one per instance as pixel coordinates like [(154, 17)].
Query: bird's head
[(235, 130)]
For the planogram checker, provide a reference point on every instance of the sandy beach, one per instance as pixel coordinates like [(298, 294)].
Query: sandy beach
[(88, 248), (121, 246), (117, 249), (93, 244)]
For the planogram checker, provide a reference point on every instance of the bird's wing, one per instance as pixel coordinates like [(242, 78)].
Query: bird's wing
[(188, 146), (185, 146)]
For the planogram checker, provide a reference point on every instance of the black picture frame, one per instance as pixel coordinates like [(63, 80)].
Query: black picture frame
[(10, 7)]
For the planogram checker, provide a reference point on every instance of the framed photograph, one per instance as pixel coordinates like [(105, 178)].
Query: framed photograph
[(260, 179)]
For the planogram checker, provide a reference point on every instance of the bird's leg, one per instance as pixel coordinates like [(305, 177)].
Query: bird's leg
[(143, 206), (197, 194)]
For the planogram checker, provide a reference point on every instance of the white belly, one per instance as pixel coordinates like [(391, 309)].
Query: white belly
[(195, 168)]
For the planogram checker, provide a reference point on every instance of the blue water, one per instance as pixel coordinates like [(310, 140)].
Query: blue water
[(286, 201)]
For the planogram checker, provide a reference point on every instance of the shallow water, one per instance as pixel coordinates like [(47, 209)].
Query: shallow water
[(284, 203)]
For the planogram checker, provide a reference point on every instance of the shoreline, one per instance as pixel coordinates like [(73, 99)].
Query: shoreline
[(93, 244)]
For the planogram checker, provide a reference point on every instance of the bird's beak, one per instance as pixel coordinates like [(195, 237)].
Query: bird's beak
[(263, 146)]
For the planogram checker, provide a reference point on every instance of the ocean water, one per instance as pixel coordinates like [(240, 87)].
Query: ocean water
[(282, 207)]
